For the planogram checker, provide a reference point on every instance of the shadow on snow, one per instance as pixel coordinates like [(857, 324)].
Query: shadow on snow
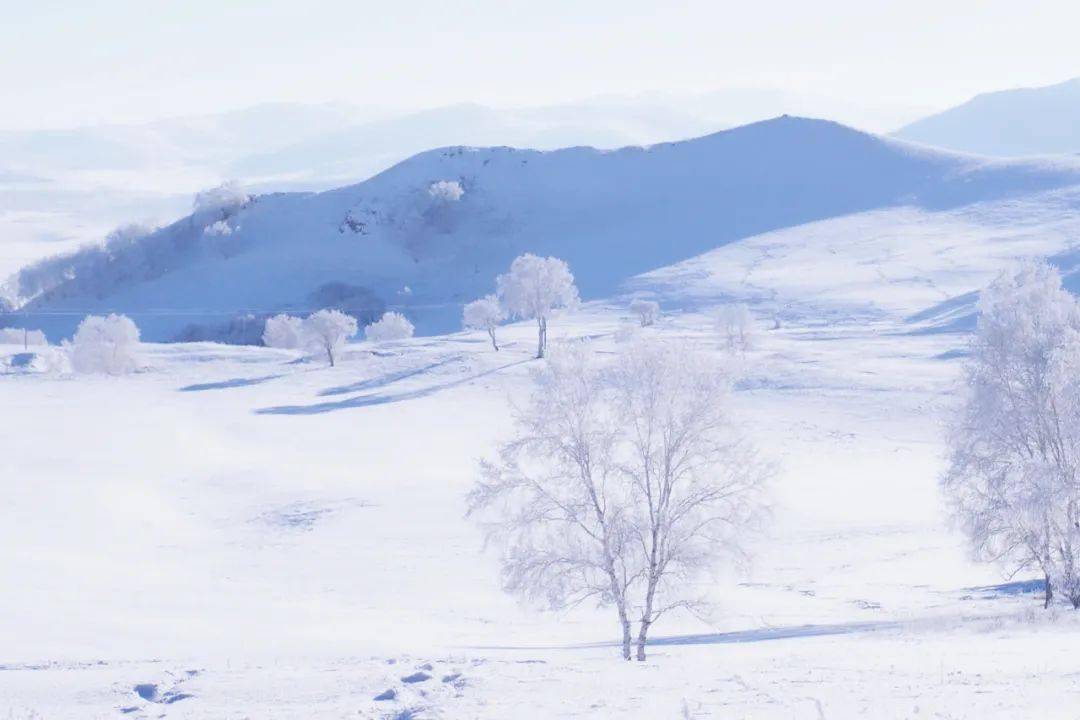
[(224, 384), (378, 399)]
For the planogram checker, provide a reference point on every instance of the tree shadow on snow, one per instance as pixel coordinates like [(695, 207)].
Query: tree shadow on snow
[(224, 384), (379, 399), (382, 380), (1015, 587), (739, 636)]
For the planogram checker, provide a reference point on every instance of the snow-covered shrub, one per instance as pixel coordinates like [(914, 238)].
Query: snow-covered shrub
[(1011, 484), (222, 201), (647, 311), (624, 483), (446, 190), (283, 331), (735, 325), (534, 288), (105, 345), (220, 228), (391, 326), (21, 336), (484, 314), (326, 331)]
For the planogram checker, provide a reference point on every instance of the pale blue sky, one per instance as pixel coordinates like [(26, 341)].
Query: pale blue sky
[(73, 63)]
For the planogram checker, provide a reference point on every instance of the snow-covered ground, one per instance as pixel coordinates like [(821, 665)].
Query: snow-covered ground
[(260, 537)]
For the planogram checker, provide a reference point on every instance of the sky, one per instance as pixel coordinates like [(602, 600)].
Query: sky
[(65, 64)]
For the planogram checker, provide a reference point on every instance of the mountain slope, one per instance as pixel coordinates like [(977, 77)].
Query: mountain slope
[(1024, 121), (397, 240)]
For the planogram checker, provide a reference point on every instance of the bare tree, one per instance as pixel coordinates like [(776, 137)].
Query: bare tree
[(624, 483)]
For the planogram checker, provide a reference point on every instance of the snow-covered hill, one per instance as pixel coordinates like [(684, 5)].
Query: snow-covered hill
[(1008, 123), (401, 239)]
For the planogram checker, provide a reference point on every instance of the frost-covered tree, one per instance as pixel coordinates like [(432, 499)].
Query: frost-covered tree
[(534, 288), (697, 486), (554, 500), (624, 482), (391, 326), (735, 325), (647, 311), (1011, 483), (484, 314), (106, 345), (283, 331), (326, 331)]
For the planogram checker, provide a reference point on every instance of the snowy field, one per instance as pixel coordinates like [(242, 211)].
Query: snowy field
[(235, 532)]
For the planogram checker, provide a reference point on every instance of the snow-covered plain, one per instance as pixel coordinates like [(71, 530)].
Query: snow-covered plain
[(262, 537)]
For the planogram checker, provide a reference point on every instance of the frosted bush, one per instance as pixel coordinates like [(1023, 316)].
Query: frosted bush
[(283, 331), (220, 228), (106, 345), (391, 326), (226, 198), (446, 190)]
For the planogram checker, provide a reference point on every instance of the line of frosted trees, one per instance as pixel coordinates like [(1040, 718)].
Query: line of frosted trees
[(326, 331), (1014, 444), (109, 344), (533, 289)]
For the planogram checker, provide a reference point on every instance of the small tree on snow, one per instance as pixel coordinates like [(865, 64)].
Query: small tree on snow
[(106, 345), (1014, 446), (534, 288), (484, 314), (647, 311), (735, 325), (391, 326), (327, 331), (622, 484), (283, 331)]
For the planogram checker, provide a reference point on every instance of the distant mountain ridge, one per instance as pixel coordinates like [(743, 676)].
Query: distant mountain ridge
[(1008, 123), (397, 240)]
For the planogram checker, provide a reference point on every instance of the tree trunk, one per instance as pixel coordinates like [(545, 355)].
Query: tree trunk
[(491, 334), (541, 343), (625, 622), (1049, 594), (642, 639)]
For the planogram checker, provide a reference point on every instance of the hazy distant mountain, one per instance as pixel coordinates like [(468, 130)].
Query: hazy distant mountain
[(1025, 121), (396, 240), (63, 188)]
